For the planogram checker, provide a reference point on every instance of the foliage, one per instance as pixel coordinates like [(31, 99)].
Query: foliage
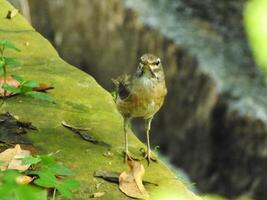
[(26, 86), (49, 173), (10, 189), (5, 61), (255, 16)]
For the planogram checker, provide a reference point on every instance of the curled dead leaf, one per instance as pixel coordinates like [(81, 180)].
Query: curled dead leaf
[(11, 159), (43, 87), (10, 81), (24, 179), (113, 177), (131, 183), (98, 194)]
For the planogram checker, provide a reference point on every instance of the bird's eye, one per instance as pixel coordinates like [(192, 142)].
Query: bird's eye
[(157, 62)]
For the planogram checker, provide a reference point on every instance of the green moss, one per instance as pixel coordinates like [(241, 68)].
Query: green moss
[(81, 102)]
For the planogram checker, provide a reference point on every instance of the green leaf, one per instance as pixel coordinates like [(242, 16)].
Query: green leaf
[(12, 62), (9, 176), (10, 190), (18, 78), (31, 84), (64, 191), (11, 88), (41, 96), (26, 192), (46, 179), (9, 45), (6, 192), (66, 186), (31, 172), (61, 170), (24, 89), (71, 184), (47, 160), (27, 86), (31, 160)]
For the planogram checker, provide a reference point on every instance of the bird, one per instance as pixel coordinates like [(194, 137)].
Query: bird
[(141, 95)]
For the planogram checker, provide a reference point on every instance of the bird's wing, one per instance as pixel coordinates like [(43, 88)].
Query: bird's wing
[(123, 86)]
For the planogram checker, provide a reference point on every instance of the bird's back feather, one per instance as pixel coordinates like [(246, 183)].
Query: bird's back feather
[(123, 86)]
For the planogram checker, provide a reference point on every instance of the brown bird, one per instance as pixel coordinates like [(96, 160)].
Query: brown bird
[(141, 95)]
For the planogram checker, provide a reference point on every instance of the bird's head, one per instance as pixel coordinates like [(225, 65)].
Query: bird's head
[(150, 66)]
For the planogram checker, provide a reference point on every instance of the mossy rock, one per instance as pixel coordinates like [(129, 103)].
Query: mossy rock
[(80, 101)]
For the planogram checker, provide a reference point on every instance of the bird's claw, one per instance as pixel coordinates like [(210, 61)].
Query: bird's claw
[(149, 159), (128, 157), (147, 156)]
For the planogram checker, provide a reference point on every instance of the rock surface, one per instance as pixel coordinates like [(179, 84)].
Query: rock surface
[(213, 123), (79, 101)]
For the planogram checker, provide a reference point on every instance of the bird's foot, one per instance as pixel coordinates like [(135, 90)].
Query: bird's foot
[(147, 156), (128, 156)]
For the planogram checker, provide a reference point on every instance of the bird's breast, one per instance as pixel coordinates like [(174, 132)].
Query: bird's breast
[(145, 99)]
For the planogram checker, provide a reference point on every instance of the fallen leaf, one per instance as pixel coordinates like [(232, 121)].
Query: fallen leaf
[(131, 183), (113, 177), (98, 194), (108, 175), (10, 81), (12, 13), (84, 134), (12, 130), (24, 179), (43, 87), (12, 159)]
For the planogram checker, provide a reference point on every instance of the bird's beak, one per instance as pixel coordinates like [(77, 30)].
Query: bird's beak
[(152, 72), (148, 67)]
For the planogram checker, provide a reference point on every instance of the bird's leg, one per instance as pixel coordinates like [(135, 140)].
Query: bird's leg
[(147, 127), (126, 127)]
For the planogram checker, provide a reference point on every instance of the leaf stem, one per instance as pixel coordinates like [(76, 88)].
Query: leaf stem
[(4, 70), (2, 48), (54, 194)]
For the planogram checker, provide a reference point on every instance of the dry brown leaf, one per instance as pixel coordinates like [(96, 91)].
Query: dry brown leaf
[(98, 194), (131, 184), (43, 87), (12, 158), (10, 81), (24, 179)]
